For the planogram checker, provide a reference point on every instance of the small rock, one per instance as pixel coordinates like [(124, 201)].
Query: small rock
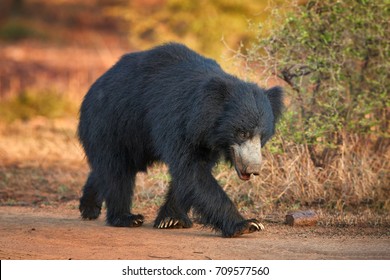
[(302, 218)]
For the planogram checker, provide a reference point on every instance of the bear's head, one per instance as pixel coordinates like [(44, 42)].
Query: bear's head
[(246, 121)]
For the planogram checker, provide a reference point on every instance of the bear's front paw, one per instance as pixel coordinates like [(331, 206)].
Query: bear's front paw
[(246, 226), (252, 226), (169, 222)]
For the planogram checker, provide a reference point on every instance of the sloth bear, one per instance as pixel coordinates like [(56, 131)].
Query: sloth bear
[(173, 105)]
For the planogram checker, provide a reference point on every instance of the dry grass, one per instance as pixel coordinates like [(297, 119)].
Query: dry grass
[(350, 183), (40, 162), (349, 179)]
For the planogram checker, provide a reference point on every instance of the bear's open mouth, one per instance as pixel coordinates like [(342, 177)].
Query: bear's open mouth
[(243, 176), (240, 167)]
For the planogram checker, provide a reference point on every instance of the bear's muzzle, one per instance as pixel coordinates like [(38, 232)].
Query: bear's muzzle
[(247, 157)]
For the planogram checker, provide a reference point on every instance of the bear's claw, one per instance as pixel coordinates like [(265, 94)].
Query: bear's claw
[(253, 225), (245, 227), (138, 222), (170, 223), (256, 226)]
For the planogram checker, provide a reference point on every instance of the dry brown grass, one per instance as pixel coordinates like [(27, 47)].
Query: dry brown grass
[(350, 179)]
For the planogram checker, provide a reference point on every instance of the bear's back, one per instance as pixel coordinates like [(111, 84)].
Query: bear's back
[(168, 55)]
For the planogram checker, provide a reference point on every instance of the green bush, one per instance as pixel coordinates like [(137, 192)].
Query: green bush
[(16, 30), (334, 58), (29, 104)]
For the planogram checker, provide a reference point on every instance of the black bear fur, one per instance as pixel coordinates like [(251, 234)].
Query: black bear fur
[(173, 105)]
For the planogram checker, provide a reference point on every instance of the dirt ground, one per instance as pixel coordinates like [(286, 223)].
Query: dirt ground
[(59, 233), (42, 167)]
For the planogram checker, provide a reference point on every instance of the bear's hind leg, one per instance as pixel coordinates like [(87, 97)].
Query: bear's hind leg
[(118, 200), (173, 214), (91, 200)]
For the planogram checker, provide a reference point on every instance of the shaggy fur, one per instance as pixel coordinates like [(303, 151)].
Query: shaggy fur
[(173, 105)]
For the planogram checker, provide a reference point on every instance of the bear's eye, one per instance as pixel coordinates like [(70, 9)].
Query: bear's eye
[(243, 135)]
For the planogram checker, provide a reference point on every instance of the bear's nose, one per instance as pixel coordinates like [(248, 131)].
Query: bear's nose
[(253, 169)]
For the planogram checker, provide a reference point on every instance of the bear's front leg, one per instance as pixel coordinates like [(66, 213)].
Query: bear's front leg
[(173, 214), (212, 205)]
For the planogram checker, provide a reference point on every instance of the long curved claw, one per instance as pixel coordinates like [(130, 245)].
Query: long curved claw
[(169, 223), (250, 226), (256, 226)]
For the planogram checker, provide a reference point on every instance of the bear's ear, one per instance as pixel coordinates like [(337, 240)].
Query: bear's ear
[(218, 88), (275, 96)]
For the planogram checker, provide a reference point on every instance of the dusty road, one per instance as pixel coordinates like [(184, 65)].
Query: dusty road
[(59, 233)]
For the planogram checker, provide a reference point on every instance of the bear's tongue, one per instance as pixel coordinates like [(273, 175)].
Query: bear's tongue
[(244, 176)]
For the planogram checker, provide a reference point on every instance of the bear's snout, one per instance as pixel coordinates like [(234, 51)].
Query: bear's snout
[(247, 157)]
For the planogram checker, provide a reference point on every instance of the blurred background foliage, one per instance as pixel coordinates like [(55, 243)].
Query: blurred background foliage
[(40, 39), (200, 24)]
